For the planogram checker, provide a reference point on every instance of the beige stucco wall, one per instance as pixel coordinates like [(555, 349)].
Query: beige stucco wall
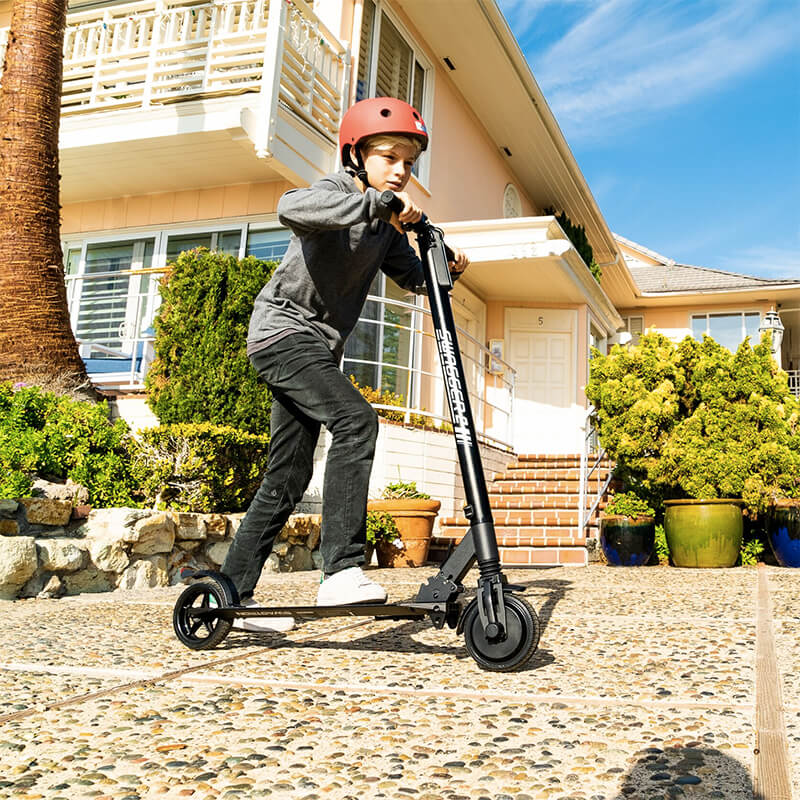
[(164, 208), (468, 174), (5, 14), (675, 321)]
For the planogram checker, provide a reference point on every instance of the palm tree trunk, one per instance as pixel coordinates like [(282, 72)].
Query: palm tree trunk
[(36, 338)]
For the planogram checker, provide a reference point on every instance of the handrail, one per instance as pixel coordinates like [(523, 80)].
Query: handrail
[(590, 443)]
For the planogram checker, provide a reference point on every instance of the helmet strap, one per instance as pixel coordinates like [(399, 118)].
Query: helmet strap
[(355, 167)]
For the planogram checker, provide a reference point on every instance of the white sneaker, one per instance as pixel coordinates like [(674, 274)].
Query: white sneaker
[(348, 587), (262, 624)]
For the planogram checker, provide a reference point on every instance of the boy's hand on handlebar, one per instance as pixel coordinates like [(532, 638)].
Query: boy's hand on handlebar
[(411, 212), (461, 262)]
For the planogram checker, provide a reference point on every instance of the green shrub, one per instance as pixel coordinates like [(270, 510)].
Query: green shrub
[(388, 398), (629, 504), (577, 235), (661, 546), (201, 372), (54, 436), (202, 467), (400, 490), (750, 552), (381, 527), (695, 420)]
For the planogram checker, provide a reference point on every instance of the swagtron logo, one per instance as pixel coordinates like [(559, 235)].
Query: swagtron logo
[(457, 402)]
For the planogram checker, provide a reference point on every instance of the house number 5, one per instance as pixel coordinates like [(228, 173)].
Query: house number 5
[(541, 322)]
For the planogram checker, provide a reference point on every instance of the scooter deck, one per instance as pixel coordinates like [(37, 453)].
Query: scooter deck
[(379, 611)]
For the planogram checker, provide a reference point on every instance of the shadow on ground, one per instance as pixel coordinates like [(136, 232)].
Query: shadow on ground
[(400, 637), (677, 772)]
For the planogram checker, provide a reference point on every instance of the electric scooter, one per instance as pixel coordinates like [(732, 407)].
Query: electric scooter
[(501, 629)]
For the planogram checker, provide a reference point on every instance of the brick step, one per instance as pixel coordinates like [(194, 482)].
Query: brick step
[(556, 458), (522, 537), (521, 517), (544, 556), (542, 486), (544, 475), (547, 456), (568, 533), (538, 500), (554, 463)]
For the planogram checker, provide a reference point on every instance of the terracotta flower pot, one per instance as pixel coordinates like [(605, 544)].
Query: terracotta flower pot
[(704, 533), (414, 519)]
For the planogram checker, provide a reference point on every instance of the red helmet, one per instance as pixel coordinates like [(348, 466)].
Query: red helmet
[(376, 116)]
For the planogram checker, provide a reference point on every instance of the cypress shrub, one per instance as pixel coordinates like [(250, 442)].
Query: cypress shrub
[(201, 467), (695, 420), (201, 372)]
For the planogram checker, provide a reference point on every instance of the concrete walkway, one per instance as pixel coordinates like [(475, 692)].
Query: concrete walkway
[(648, 683)]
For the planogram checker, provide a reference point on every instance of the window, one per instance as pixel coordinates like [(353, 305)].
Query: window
[(391, 66), (729, 329), (268, 245), (380, 351), (222, 241), (635, 327), (112, 289)]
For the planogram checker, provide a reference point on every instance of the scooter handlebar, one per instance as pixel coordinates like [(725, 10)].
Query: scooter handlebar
[(390, 199)]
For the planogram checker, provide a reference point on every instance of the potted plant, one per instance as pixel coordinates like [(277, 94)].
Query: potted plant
[(380, 528), (413, 513), (702, 430), (627, 530), (783, 531)]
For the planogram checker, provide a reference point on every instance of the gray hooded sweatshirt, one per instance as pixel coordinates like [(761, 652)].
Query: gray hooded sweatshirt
[(340, 238)]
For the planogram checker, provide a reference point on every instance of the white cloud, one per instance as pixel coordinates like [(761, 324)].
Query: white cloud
[(522, 14), (625, 58), (764, 262)]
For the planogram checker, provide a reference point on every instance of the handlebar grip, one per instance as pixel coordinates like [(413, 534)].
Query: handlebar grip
[(389, 198)]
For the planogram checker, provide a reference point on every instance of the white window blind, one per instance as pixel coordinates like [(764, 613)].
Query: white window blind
[(395, 58), (365, 50)]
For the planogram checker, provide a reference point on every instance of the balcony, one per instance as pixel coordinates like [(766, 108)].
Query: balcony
[(161, 96)]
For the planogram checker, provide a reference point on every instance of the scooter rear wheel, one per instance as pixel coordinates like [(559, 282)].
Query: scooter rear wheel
[(515, 649), (195, 632)]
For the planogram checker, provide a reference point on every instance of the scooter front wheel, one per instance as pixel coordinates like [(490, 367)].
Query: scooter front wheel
[(206, 632), (515, 649)]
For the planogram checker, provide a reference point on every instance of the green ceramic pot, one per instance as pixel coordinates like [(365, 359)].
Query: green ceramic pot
[(703, 533)]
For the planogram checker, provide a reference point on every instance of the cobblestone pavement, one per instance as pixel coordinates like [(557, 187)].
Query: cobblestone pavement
[(644, 686)]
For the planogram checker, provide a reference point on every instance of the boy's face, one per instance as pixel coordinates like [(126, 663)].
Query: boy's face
[(389, 166)]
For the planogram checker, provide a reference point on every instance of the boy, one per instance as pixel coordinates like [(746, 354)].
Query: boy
[(342, 234)]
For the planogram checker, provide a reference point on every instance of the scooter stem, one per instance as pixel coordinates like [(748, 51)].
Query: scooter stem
[(438, 283)]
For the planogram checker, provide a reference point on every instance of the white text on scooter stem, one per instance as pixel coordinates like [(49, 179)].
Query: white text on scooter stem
[(453, 385)]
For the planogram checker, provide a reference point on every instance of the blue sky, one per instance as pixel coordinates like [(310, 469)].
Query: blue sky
[(684, 118)]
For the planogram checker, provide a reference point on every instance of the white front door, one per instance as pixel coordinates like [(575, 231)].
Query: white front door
[(541, 348)]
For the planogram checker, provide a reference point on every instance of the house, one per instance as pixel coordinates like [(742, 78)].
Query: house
[(183, 122), (682, 300)]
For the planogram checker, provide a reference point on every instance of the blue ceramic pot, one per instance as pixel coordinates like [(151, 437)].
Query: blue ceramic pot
[(627, 542), (783, 531)]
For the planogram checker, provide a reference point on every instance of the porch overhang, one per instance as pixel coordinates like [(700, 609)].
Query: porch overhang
[(529, 259)]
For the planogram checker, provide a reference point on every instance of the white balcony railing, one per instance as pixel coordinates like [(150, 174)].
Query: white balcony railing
[(154, 52)]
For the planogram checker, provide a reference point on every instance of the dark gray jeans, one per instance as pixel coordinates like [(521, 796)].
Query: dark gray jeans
[(309, 390)]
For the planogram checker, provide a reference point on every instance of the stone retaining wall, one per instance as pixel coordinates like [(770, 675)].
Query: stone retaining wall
[(50, 547)]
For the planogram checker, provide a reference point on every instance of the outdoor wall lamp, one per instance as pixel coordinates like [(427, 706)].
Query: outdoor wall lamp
[(772, 323)]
